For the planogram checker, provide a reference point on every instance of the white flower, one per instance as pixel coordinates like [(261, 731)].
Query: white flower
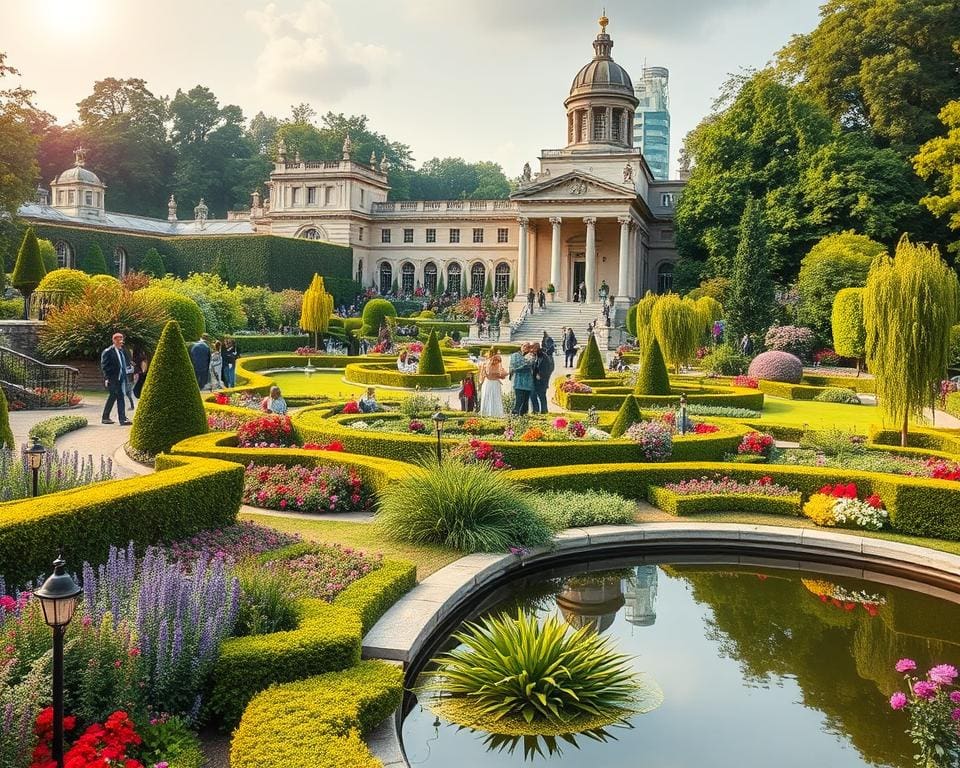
[(360, 425), (858, 513), (593, 433)]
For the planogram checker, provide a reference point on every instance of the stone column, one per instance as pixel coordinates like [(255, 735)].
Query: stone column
[(555, 252), (591, 257), (623, 276), (522, 267)]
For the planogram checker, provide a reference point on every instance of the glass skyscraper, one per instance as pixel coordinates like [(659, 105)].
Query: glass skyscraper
[(651, 128)]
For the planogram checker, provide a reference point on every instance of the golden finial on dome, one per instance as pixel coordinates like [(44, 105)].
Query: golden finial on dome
[(603, 22)]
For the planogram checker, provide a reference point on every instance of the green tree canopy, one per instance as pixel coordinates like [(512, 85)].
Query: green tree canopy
[(92, 261), (676, 326), (849, 333), (937, 162), (750, 302), (18, 144)]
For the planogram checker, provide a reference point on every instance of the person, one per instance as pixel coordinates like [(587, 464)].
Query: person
[(229, 354), (406, 363), (128, 378), (542, 300), (113, 363), (617, 363), (468, 394), (216, 367), (368, 403), (531, 297), (274, 402), (583, 292), (542, 371), (604, 290), (141, 362), (200, 357), (746, 345), (521, 374), (491, 387), (569, 348), (548, 345)]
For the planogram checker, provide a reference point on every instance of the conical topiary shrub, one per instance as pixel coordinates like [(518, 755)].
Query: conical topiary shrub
[(170, 408), (29, 269), (591, 361), (93, 262), (627, 416), (653, 378), (431, 361), (6, 434), (153, 264)]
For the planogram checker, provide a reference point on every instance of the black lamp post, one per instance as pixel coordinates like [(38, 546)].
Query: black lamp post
[(438, 422), (683, 413), (35, 454), (58, 599)]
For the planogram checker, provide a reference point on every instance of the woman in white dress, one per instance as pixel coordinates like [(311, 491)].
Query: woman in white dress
[(492, 373)]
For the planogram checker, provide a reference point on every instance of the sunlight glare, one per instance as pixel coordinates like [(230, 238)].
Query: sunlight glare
[(71, 15)]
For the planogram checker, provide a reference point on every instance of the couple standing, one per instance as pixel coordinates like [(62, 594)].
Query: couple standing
[(530, 371)]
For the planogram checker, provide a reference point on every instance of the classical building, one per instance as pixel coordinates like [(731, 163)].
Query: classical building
[(594, 213)]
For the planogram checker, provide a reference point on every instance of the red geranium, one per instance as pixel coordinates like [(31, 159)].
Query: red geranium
[(336, 445), (705, 429), (841, 491), (351, 407), (99, 745)]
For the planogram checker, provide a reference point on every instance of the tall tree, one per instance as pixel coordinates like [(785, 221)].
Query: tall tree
[(909, 305), (750, 302), (18, 144), (937, 162)]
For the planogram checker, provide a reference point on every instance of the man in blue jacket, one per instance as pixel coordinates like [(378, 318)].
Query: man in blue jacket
[(113, 363), (521, 373)]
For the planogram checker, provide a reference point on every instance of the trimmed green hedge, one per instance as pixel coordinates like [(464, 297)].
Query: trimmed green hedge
[(748, 504), (386, 374), (247, 345), (591, 361), (610, 398), (789, 391), (48, 430), (184, 496), (946, 440), (859, 384), (372, 595), (319, 722)]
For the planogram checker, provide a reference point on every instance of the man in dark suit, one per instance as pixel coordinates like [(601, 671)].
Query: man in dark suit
[(200, 357), (113, 363), (569, 347)]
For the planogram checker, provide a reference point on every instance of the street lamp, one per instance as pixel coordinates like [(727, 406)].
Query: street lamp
[(58, 599), (438, 421), (683, 413), (35, 454)]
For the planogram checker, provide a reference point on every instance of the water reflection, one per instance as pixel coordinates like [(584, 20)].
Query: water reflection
[(591, 601), (640, 594)]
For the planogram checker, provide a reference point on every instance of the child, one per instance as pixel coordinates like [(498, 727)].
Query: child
[(468, 394)]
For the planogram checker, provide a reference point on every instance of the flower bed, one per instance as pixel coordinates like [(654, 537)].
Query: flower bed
[(234, 542), (298, 488), (271, 431), (326, 571), (838, 506), (725, 494)]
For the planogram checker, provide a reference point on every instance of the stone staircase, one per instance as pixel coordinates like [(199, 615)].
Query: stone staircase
[(553, 318)]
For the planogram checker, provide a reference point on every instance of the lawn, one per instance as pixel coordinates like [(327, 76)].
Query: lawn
[(850, 418)]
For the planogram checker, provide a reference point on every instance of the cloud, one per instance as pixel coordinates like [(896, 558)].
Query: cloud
[(306, 55)]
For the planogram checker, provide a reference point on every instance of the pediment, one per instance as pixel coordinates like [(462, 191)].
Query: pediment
[(575, 185)]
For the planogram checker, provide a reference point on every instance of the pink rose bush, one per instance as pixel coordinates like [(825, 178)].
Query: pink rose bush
[(305, 489), (933, 705)]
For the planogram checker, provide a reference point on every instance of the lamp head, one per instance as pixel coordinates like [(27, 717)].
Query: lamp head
[(35, 454), (438, 421), (58, 595)]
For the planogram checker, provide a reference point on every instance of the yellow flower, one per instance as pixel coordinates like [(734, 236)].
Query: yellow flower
[(820, 509)]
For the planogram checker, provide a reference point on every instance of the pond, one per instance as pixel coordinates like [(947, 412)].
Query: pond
[(758, 666)]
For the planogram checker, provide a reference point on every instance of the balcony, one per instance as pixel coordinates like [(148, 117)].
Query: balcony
[(442, 207)]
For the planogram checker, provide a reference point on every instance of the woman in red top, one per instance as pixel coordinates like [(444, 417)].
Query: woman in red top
[(468, 394)]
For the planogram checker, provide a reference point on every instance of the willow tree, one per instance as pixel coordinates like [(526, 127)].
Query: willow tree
[(909, 304), (676, 326), (709, 310), (643, 310), (317, 309)]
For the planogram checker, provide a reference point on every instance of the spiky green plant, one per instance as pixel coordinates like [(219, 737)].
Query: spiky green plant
[(509, 673), (462, 506)]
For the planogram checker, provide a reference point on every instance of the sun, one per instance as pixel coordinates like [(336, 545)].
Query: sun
[(72, 15)]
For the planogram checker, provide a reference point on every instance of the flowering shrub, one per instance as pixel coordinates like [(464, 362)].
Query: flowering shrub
[(827, 357), (273, 431), (745, 381), (577, 429), (726, 486), (416, 426), (305, 489), (100, 744), (243, 400), (756, 444), (326, 572), (336, 445), (702, 428), (380, 348), (221, 399), (472, 425), (654, 438), (350, 407), (843, 598), (478, 452), (940, 469), (414, 347), (776, 366), (796, 340), (838, 505), (224, 422), (934, 711), (575, 387), (595, 433), (532, 435), (235, 542), (308, 351)]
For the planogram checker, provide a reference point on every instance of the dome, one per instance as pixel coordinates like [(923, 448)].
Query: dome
[(78, 173), (602, 74)]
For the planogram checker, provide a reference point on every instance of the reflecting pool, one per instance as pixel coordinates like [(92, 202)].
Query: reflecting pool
[(758, 667)]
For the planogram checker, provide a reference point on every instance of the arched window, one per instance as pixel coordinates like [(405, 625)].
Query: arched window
[(406, 277), (120, 261), (64, 254), (478, 274), (665, 278), (430, 277), (312, 233), (454, 284), (501, 280), (386, 277), (360, 271)]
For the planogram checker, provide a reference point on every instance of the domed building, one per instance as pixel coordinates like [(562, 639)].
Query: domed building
[(78, 191)]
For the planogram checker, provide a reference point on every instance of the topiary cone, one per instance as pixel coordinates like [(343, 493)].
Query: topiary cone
[(431, 361), (653, 378), (591, 361), (29, 269), (170, 408), (628, 415), (6, 434)]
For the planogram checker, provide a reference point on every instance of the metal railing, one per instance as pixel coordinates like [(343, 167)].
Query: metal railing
[(30, 383), (41, 302)]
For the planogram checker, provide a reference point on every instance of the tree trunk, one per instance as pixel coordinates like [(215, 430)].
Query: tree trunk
[(903, 431)]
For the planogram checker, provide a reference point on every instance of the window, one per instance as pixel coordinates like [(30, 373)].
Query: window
[(294, 195), (120, 261), (96, 199), (571, 127), (431, 235), (454, 235), (72, 197), (453, 279), (430, 277), (501, 280), (88, 198), (361, 198), (311, 234), (584, 125), (63, 254), (408, 235), (327, 195), (665, 278), (600, 124), (311, 195), (360, 270), (59, 197), (384, 235), (617, 124), (667, 199), (361, 234), (503, 235), (386, 277), (406, 278), (478, 274), (477, 235)]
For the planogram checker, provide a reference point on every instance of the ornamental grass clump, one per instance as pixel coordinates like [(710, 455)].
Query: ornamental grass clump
[(518, 675), (460, 505)]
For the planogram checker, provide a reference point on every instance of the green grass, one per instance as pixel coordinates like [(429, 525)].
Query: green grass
[(850, 418)]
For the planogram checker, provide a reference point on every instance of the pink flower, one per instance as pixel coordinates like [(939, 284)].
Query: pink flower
[(924, 689), (943, 674), (955, 715), (898, 700), (560, 423), (905, 665), (955, 697)]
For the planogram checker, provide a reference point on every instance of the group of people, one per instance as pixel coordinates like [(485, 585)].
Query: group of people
[(214, 363), (407, 362), (124, 374), (529, 371), (538, 297)]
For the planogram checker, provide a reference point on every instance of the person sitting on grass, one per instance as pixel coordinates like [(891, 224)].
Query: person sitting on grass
[(368, 403), (274, 402)]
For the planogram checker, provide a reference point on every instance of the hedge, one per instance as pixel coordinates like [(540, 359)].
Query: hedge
[(258, 344), (385, 374), (946, 440), (48, 430), (789, 391), (917, 506), (319, 722), (591, 361), (611, 398), (859, 384), (184, 496), (683, 504), (327, 638), (431, 359)]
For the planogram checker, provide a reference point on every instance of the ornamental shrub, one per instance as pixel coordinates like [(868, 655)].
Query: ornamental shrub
[(71, 281), (777, 366), (29, 269), (653, 378), (628, 415), (849, 332), (375, 313), (431, 360), (838, 395), (6, 434), (654, 438), (591, 361), (631, 321), (725, 360), (48, 254), (152, 263), (790, 338), (92, 261), (178, 307), (170, 408), (644, 310)]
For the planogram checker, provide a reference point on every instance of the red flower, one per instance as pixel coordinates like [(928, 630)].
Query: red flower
[(874, 501), (351, 407)]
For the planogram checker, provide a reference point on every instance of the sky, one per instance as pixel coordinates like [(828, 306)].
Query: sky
[(478, 79)]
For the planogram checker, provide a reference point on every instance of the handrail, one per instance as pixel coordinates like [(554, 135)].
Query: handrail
[(33, 383)]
